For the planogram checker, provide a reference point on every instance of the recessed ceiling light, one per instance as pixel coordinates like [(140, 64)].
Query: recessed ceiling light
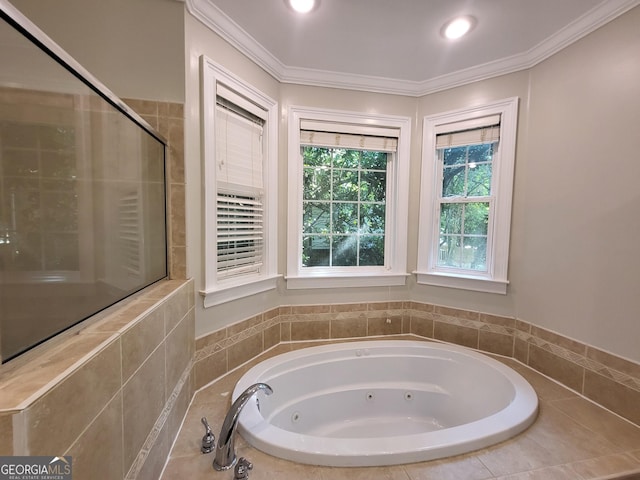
[(458, 27), (302, 6)]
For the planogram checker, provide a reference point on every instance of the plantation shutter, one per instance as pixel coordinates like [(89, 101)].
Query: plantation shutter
[(468, 132), (342, 135), (239, 178)]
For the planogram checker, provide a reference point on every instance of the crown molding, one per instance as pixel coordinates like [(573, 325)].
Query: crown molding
[(579, 28), (230, 31), (349, 81)]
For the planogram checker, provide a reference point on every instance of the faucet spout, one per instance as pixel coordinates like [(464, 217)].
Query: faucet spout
[(225, 451)]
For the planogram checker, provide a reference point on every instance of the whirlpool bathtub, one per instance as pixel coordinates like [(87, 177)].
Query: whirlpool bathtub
[(383, 402)]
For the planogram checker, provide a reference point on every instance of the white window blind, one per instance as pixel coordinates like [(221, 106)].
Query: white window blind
[(240, 189), (324, 134), (240, 235), (469, 132), (239, 151)]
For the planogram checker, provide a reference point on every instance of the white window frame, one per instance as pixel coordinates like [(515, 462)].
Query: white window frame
[(220, 290), (494, 280), (394, 272)]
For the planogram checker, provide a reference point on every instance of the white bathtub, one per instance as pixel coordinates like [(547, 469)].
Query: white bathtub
[(383, 402)]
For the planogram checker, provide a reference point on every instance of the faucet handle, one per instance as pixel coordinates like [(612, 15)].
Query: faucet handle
[(242, 469), (209, 440)]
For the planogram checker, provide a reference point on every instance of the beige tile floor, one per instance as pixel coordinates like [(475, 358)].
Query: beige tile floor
[(572, 439)]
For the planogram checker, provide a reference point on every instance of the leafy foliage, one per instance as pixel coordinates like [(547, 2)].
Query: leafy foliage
[(344, 207), (465, 206)]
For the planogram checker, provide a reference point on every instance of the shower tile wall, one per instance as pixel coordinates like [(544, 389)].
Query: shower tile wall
[(38, 181), (168, 120), (611, 381)]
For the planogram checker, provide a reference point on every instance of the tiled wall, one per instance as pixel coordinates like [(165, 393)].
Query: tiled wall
[(168, 120), (608, 380), (611, 381), (113, 395)]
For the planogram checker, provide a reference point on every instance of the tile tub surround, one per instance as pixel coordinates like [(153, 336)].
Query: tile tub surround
[(572, 439), (111, 395), (608, 380)]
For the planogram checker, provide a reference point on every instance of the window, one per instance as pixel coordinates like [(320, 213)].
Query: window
[(467, 183), (348, 199), (240, 187)]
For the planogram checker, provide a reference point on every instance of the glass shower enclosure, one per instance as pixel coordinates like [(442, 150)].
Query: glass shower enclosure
[(82, 192)]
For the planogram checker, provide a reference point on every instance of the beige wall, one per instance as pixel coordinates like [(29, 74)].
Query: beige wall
[(573, 259), (199, 40), (579, 192), (135, 48)]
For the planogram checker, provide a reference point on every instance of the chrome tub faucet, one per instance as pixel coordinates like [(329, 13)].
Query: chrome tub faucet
[(225, 451)]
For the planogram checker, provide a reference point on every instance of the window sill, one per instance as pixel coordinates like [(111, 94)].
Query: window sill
[(345, 281), (228, 293), (478, 284)]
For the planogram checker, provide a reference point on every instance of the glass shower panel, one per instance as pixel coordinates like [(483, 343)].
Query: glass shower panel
[(82, 196)]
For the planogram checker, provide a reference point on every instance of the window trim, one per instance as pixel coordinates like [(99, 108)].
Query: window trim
[(495, 280), (394, 273), (216, 291)]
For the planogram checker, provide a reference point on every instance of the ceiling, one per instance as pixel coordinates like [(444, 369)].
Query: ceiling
[(395, 46)]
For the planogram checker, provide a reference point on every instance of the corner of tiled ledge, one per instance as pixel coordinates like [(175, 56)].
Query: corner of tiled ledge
[(41, 370), (113, 394)]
